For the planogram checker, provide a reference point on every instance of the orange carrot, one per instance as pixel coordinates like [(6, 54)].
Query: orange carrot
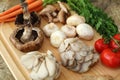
[(14, 8), (9, 20), (38, 8), (16, 12)]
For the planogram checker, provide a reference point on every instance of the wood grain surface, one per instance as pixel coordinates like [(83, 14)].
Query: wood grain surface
[(7, 28)]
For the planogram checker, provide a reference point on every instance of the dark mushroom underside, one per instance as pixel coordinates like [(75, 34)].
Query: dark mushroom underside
[(35, 19), (37, 34)]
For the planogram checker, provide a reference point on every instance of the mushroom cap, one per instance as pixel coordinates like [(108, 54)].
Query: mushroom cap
[(35, 44), (35, 20)]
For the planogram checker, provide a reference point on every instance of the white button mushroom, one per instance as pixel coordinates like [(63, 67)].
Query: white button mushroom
[(57, 37), (50, 28), (85, 31), (75, 20), (69, 31)]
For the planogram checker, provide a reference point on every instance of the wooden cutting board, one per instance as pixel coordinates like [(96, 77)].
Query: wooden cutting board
[(7, 28)]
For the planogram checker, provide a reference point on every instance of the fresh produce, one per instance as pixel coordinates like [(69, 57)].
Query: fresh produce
[(75, 20), (100, 45), (99, 20), (55, 13), (43, 66), (31, 7), (50, 28), (115, 42), (110, 58), (56, 38), (85, 31), (70, 31), (15, 8), (8, 20), (76, 55)]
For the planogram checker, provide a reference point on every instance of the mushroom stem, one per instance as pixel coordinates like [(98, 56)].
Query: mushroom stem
[(28, 26), (26, 34)]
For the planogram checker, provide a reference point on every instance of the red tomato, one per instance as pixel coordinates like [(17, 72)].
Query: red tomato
[(110, 58), (113, 45), (100, 45)]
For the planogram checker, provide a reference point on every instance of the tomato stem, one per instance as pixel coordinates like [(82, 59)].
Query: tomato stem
[(116, 41)]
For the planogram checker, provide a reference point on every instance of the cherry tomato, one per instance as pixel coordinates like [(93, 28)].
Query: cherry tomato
[(110, 58), (113, 45), (100, 45)]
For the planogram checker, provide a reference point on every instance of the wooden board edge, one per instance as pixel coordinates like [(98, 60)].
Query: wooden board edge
[(10, 63), (12, 54)]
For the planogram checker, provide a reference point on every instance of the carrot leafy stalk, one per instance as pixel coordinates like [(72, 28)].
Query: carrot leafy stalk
[(94, 16)]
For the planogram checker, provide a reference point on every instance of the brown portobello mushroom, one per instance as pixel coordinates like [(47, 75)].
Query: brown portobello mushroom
[(27, 37), (35, 44)]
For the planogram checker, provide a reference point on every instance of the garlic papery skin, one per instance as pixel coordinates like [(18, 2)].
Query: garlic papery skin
[(70, 31), (42, 71), (85, 31), (50, 28), (75, 20), (51, 66), (44, 65), (29, 60), (56, 38)]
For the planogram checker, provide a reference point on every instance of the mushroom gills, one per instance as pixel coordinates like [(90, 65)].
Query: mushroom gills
[(34, 19), (32, 35)]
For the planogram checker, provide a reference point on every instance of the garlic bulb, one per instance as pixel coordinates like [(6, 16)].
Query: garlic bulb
[(85, 31), (76, 55), (30, 60), (46, 67), (69, 31), (75, 20), (50, 28), (57, 37)]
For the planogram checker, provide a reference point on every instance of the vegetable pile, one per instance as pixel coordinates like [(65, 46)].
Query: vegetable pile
[(99, 20), (109, 53), (103, 24), (10, 14)]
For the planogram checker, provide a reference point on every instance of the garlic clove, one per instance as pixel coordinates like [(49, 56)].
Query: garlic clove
[(42, 71), (57, 38), (65, 44), (36, 61), (58, 71), (85, 66), (34, 71), (64, 60), (51, 66), (77, 68), (34, 75), (28, 61)]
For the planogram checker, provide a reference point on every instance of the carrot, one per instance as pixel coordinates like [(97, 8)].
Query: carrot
[(16, 12), (9, 20), (38, 8), (14, 8)]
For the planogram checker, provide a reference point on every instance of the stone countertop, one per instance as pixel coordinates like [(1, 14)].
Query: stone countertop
[(5, 73), (106, 5)]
